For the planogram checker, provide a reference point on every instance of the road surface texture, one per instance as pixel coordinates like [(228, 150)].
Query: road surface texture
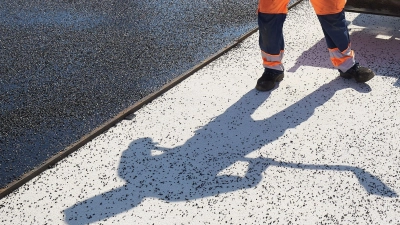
[(318, 149)]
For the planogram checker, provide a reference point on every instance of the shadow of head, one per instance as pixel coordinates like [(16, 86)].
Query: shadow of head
[(141, 147)]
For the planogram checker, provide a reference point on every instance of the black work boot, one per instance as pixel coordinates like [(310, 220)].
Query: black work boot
[(359, 73), (267, 81)]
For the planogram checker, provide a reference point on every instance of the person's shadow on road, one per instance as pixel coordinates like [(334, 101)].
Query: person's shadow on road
[(193, 170)]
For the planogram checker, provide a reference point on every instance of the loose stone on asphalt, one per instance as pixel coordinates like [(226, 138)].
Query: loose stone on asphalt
[(318, 149)]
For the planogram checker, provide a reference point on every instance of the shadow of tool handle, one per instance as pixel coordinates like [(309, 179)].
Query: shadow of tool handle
[(372, 184)]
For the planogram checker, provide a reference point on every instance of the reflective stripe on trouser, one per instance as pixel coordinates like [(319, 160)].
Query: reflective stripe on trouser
[(272, 61), (338, 40), (271, 39), (342, 60)]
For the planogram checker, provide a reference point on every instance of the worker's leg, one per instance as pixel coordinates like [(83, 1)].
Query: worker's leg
[(271, 16), (332, 18)]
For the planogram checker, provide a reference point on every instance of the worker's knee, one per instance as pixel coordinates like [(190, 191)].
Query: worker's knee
[(273, 6), (326, 7)]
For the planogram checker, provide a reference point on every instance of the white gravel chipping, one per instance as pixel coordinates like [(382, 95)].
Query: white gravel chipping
[(317, 149)]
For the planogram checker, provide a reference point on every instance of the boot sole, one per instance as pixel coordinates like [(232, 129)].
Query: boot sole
[(365, 79), (359, 80), (277, 79)]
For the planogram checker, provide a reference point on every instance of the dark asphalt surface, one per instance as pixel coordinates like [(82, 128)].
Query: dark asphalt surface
[(67, 66), (388, 7)]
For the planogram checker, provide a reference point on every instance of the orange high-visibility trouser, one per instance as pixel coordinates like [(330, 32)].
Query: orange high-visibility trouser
[(271, 15), (321, 7)]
